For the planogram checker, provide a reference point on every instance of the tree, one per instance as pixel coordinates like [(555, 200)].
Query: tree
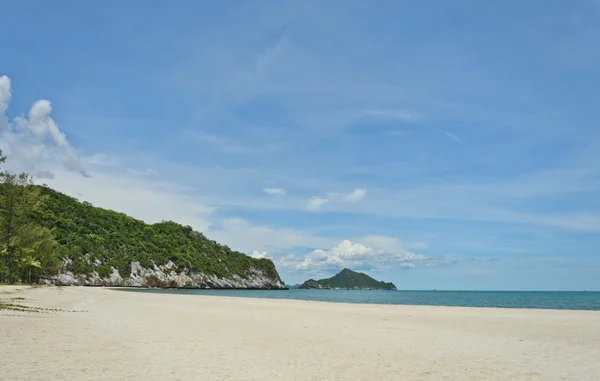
[(29, 263), (19, 200), (37, 251)]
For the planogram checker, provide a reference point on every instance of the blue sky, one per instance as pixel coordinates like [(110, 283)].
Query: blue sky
[(435, 144)]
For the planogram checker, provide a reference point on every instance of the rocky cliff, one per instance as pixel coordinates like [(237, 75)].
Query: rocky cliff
[(166, 276)]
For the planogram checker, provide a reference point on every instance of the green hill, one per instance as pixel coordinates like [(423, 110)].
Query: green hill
[(103, 247), (348, 279)]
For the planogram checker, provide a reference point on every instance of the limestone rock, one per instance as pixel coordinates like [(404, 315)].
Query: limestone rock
[(166, 276)]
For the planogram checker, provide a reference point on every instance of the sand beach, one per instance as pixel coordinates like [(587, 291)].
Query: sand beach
[(106, 334)]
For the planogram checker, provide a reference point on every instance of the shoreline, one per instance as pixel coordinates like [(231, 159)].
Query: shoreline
[(157, 291), (216, 291), (143, 291), (167, 288), (293, 288)]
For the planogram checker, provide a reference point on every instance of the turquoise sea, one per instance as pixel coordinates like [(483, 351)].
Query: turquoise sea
[(559, 300)]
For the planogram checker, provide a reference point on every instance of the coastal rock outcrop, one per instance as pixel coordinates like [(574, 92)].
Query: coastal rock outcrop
[(166, 277)]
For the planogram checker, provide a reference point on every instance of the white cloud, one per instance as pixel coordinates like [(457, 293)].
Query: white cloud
[(315, 203), (5, 95), (388, 255), (35, 141), (274, 191), (355, 196), (259, 255), (401, 114), (453, 137)]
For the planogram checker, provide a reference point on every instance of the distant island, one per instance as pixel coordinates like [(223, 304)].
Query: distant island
[(348, 279)]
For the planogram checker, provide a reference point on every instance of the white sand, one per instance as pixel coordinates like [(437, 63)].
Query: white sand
[(134, 336)]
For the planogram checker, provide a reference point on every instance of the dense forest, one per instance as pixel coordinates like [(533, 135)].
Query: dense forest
[(96, 239), (49, 230)]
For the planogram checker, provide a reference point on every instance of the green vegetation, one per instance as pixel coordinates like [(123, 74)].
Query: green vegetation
[(20, 307), (96, 239), (42, 229), (8, 305), (27, 249), (348, 279)]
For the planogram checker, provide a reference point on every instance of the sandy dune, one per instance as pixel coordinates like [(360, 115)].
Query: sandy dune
[(133, 336)]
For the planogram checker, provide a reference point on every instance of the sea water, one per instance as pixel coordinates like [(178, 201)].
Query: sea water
[(558, 300)]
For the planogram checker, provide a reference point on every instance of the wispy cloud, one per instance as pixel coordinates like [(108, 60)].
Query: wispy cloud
[(355, 196), (397, 133), (400, 114), (220, 144), (5, 96), (315, 203), (274, 191), (142, 172), (101, 160), (452, 136), (269, 56), (246, 236)]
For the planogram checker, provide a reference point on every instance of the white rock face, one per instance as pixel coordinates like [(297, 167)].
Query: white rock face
[(165, 276)]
